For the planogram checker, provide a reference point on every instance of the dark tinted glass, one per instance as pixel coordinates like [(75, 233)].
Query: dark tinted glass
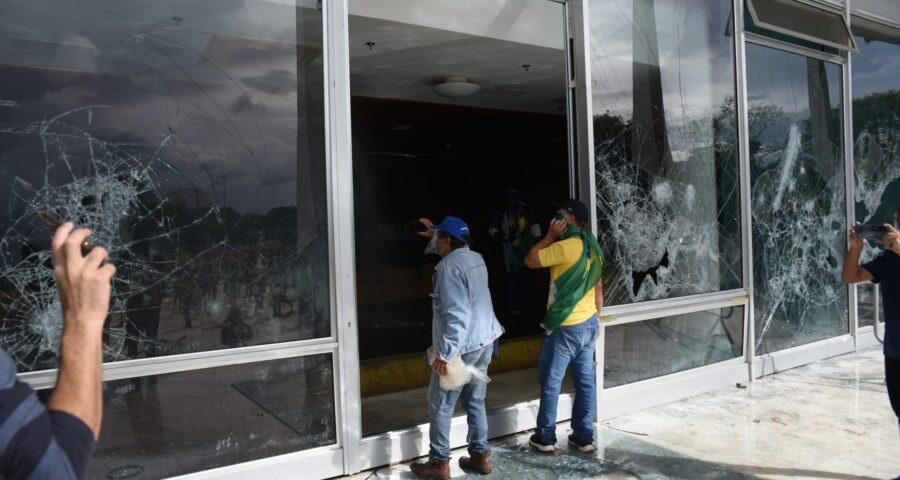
[(665, 148), (799, 206), (167, 425), (653, 348), (189, 137)]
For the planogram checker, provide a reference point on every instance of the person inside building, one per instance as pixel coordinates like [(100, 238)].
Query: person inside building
[(56, 441), (514, 228), (575, 260), (463, 325), (884, 269)]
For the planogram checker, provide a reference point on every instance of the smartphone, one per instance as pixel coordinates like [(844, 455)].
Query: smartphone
[(55, 223), (870, 232)]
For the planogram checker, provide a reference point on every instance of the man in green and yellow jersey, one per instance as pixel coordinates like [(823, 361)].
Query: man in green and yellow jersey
[(575, 260)]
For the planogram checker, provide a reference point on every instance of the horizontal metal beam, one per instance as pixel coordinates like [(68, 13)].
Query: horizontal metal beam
[(180, 363), (765, 41), (663, 308)]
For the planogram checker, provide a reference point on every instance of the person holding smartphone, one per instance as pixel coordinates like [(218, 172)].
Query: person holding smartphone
[(56, 441), (575, 260), (884, 269)]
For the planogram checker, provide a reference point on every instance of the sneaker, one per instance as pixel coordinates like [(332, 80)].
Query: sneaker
[(541, 446), (586, 448)]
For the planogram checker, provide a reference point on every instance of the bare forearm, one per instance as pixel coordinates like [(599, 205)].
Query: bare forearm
[(851, 269), (78, 389), (598, 295)]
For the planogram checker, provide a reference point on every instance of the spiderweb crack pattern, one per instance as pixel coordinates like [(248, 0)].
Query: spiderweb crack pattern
[(114, 192)]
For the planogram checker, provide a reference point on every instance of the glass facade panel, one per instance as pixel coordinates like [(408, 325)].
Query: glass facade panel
[(801, 20), (667, 174), (677, 343), (189, 136), (875, 75), (167, 425), (798, 198), (869, 305)]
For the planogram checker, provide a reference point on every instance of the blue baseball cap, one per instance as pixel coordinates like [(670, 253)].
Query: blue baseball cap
[(576, 208), (453, 226)]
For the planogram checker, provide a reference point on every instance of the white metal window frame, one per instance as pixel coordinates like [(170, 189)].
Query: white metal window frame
[(781, 360), (862, 12), (352, 452), (322, 462), (826, 8)]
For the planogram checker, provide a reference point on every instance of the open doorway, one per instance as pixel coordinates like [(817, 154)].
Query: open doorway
[(495, 138)]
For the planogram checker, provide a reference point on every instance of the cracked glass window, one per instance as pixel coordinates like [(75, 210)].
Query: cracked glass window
[(798, 198), (189, 136), (167, 425), (678, 343), (875, 74), (665, 148)]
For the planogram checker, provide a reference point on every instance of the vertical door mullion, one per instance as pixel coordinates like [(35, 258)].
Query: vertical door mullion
[(580, 62), (740, 61), (849, 168), (340, 168)]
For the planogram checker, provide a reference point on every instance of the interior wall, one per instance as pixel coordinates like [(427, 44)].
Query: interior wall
[(415, 160)]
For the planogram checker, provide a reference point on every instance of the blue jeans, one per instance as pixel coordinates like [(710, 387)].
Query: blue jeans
[(565, 345), (442, 402)]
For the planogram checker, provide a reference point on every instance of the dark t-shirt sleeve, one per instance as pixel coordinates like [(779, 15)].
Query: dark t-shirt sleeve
[(876, 266), (35, 443), (75, 439)]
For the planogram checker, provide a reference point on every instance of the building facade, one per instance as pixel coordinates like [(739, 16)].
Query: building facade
[(256, 169)]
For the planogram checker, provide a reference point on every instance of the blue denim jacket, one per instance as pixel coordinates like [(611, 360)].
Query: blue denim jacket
[(464, 319)]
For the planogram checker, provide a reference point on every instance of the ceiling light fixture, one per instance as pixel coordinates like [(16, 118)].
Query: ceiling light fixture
[(455, 87)]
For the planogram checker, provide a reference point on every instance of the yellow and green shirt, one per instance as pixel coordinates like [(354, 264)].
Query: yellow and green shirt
[(560, 257)]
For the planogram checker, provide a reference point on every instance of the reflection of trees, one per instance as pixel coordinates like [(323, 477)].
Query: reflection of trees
[(798, 219), (669, 233), (876, 148)]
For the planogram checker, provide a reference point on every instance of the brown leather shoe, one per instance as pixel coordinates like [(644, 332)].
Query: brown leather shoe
[(479, 462), (432, 469)]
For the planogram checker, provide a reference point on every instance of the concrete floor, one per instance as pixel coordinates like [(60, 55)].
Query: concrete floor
[(829, 420)]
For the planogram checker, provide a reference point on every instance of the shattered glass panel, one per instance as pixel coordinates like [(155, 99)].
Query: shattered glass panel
[(875, 74), (189, 136), (167, 425), (665, 147), (678, 343), (797, 184)]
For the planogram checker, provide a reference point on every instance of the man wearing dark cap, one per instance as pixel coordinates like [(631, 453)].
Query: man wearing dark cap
[(575, 260), (463, 325)]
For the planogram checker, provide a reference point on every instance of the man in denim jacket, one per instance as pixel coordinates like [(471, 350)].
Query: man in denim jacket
[(463, 324)]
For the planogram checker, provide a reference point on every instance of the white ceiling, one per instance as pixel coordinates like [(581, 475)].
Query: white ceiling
[(408, 59)]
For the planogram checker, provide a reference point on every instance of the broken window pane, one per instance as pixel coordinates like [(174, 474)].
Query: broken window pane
[(875, 74), (665, 147), (189, 136), (798, 198), (167, 425), (678, 343)]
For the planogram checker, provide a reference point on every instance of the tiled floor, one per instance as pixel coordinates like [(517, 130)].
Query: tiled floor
[(829, 420)]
